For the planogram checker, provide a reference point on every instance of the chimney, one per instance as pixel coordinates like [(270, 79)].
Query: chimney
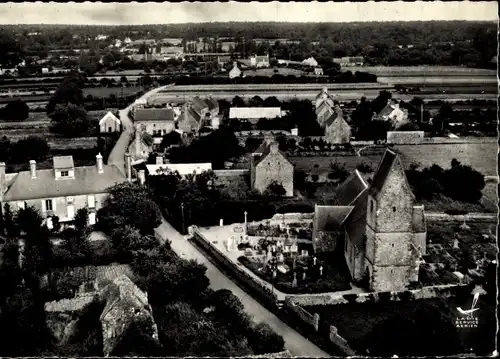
[(235, 64), (274, 147), (159, 160), (2, 180), (142, 177), (33, 168), (128, 164), (98, 161), (268, 139)]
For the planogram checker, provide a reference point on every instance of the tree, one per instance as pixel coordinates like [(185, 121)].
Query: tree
[(16, 110), (29, 148), (28, 219), (69, 91), (463, 183), (238, 102), (272, 101), (408, 126), (70, 120), (256, 101), (275, 189), (264, 340), (127, 239), (373, 131), (171, 138), (129, 204), (81, 219)]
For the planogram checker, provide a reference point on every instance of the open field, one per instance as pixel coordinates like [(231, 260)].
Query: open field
[(422, 71), (437, 80), (270, 72), (481, 156)]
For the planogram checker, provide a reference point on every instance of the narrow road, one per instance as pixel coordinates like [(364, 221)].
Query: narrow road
[(117, 155), (294, 342)]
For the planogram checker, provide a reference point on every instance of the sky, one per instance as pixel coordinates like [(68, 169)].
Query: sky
[(169, 13)]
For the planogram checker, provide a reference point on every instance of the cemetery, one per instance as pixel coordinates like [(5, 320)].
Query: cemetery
[(282, 254), (457, 253)]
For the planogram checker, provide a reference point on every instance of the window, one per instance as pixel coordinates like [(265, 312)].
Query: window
[(371, 206), (20, 205), (48, 204), (64, 173), (91, 201), (394, 209), (110, 129)]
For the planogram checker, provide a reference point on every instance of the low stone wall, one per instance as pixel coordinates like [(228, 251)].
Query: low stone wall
[(312, 321), (468, 218), (304, 315), (335, 299), (283, 354), (235, 269), (231, 173), (336, 339)]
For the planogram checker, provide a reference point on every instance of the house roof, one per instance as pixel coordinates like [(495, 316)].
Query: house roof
[(212, 103), (384, 169), (254, 112), (387, 110), (109, 115), (154, 114), (261, 58), (122, 291), (265, 151), (337, 116), (419, 223), (325, 106), (87, 180), (198, 104), (330, 218), (355, 221), (63, 162), (350, 189)]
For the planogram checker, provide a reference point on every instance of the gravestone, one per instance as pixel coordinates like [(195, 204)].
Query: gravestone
[(455, 243), (321, 270), (281, 257), (294, 281)]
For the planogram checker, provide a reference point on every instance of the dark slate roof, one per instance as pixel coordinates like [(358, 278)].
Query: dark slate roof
[(419, 225), (87, 181), (154, 114), (390, 159), (265, 150), (350, 189), (63, 162), (330, 218), (337, 116), (387, 110), (198, 104), (212, 103), (355, 222)]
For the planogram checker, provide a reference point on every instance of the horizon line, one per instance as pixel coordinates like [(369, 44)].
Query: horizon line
[(251, 22)]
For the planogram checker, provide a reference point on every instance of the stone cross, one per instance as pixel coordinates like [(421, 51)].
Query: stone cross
[(455, 243), (294, 281), (304, 275), (314, 260), (321, 270)]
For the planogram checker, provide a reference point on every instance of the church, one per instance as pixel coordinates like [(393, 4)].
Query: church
[(377, 226)]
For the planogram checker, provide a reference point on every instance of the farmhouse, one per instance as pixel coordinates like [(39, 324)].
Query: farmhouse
[(110, 123), (337, 130), (269, 165), (318, 71), (310, 62), (155, 121), (254, 114), (235, 71), (382, 230), (392, 113), (60, 191), (259, 61), (349, 61), (323, 96)]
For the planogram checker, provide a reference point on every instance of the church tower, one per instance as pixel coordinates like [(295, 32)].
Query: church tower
[(389, 253)]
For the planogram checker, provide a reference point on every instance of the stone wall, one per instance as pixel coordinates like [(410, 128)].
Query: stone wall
[(335, 299), (304, 315), (448, 140), (340, 341), (253, 283), (405, 137), (283, 354)]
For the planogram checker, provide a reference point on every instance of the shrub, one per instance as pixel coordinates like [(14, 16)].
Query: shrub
[(263, 340), (406, 296), (351, 298)]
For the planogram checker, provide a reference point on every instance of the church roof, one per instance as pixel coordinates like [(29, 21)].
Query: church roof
[(355, 222), (384, 168), (330, 218), (350, 189)]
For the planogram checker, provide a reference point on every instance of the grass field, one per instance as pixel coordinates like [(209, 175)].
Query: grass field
[(481, 156), (270, 72), (422, 71)]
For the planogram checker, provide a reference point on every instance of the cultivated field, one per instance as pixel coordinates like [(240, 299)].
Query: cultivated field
[(270, 72), (480, 156), (422, 71)]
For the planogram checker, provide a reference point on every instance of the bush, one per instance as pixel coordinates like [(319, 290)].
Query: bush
[(406, 296), (263, 340)]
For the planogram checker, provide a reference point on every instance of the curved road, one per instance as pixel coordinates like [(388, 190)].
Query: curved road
[(294, 342), (117, 155)]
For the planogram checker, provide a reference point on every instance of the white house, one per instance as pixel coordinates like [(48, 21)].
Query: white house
[(310, 62), (183, 168), (235, 71), (109, 123)]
